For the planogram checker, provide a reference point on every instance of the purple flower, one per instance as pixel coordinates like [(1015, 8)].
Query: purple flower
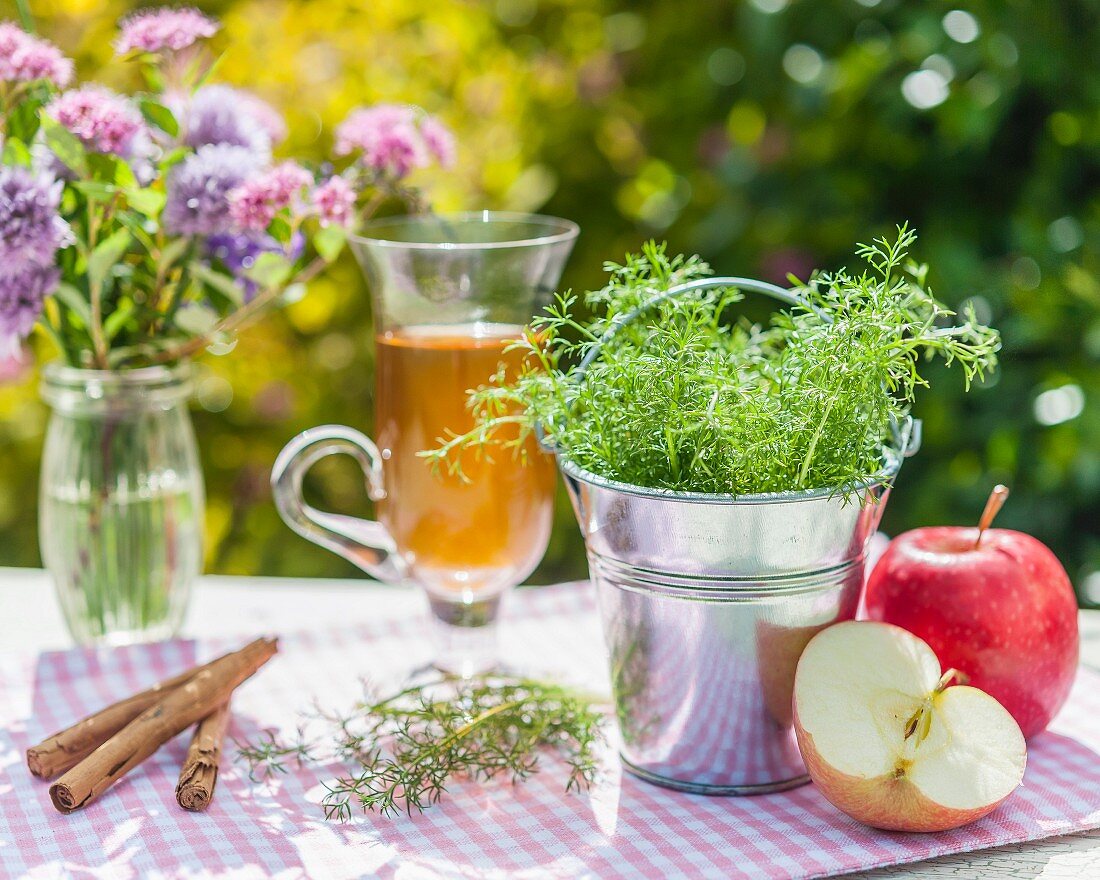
[(106, 122), (31, 229), (223, 115), (22, 293), (238, 252), (393, 139), (254, 204), (26, 58), (157, 30), (334, 202), (198, 189)]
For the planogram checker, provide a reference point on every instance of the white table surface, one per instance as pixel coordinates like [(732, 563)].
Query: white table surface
[(31, 621)]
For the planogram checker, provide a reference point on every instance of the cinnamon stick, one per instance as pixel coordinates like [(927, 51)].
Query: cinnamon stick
[(176, 710), (199, 773), (67, 748)]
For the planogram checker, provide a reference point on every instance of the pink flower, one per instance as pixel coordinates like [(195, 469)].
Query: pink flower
[(158, 30), (393, 139), (104, 121), (25, 58), (254, 204), (286, 180), (440, 141), (266, 117), (334, 201)]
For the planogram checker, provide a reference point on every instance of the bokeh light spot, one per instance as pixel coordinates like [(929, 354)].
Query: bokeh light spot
[(1065, 234), (983, 88), (746, 123), (624, 31), (1003, 49), (983, 312), (961, 26), (335, 351), (925, 89), (214, 393), (941, 65), (1026, 273), (803, 63), (516, 13), (1091, 587), (1057, 405), (770, 7), (1065, 127), (725, 66)]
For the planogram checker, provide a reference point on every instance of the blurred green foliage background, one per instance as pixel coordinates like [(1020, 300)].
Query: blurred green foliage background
[(769, 136)]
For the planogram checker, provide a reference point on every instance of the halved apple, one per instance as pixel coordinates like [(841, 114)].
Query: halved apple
[(890, 741)]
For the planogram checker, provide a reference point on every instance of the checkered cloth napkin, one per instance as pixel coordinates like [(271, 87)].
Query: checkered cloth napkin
[(622, 828)]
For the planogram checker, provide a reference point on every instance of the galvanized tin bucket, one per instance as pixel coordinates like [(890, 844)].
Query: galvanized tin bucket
[(707, 602)]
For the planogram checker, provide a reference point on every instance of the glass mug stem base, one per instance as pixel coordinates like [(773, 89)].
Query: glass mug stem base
[(465, 634)]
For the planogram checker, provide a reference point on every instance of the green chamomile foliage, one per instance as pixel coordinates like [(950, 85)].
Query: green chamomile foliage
[(403, 750), (681, 397)]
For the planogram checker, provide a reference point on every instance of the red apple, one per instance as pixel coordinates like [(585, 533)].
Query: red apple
[(994, 604)]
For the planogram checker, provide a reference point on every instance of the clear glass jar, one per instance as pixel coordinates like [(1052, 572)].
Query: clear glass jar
[(120, 501)]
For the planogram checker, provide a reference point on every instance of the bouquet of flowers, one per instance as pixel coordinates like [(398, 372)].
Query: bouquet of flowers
[(141, 229), (136, 231)]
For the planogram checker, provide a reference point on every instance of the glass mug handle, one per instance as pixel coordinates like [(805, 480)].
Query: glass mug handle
[(364, 542)]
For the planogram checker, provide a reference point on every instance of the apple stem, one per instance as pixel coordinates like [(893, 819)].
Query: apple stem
[(993, 506)]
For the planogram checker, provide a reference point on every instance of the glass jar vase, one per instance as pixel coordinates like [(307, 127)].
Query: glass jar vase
[(120, 501)]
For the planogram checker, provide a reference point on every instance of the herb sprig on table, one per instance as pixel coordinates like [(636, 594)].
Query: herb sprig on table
[(408, 746), (682, 398)]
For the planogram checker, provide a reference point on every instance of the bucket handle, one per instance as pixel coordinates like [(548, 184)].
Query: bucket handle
[(906, 434)]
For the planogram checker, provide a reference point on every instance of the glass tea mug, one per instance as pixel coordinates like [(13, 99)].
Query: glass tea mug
[(450, 292)]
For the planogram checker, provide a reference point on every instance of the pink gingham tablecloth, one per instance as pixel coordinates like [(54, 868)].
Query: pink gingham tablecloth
[(622, 828)]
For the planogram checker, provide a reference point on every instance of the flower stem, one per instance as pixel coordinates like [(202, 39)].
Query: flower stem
[(25, 17)]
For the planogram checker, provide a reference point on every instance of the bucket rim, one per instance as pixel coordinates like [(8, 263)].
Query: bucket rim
[(882, 478)]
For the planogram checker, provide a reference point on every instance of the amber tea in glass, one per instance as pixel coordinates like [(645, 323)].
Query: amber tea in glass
[(483, 528), (449, 293)]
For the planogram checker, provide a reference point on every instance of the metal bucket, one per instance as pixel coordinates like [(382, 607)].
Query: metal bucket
[(707, 602)]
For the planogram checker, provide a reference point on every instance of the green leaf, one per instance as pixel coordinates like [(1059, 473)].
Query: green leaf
[(103, 167), (23, 121), (270, 270), (150, 69), (330, 241), (173, 251), (65, 145), (223, 284), (149, 202), (156, 114), (76, 302), (117, 319), (124, 175), (96, 191), (196, 319), (279, 229), (204, 74), (16, 153), (107, 253), (174, 157), (138, 226)]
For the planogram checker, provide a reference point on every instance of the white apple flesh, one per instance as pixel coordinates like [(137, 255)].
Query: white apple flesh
[(889, 741)]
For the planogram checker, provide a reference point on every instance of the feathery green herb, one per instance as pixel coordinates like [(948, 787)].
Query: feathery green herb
[(679, 398), (407, 746)]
